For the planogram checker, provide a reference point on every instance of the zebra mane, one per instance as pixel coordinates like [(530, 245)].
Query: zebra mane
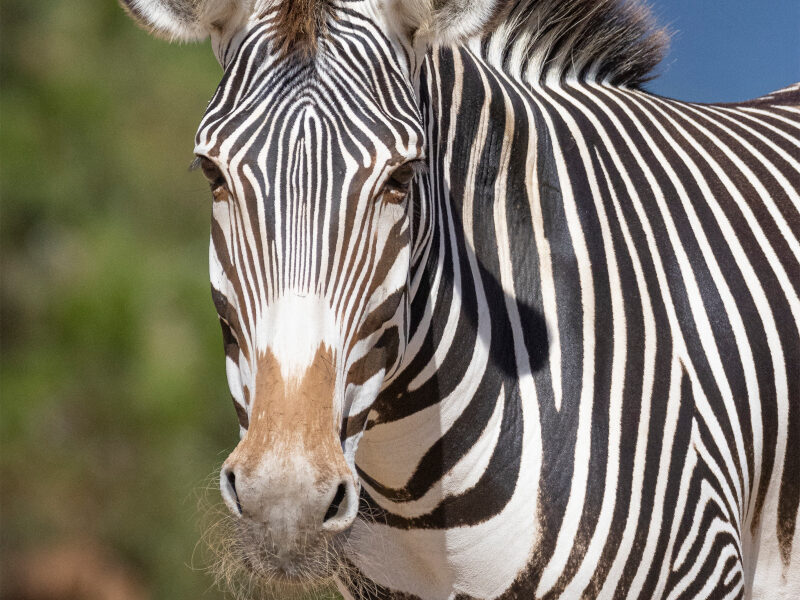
[(615, 41), (298, 23)]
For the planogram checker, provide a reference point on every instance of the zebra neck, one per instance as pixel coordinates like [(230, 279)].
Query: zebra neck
[(476, 319), (563, 362)]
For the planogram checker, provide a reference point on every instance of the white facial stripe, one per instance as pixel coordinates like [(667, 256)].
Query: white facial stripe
[(293, 328), (235, 381)]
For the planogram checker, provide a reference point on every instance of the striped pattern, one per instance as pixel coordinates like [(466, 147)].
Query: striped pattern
[(604, 332), (309, 149), (582, 324)]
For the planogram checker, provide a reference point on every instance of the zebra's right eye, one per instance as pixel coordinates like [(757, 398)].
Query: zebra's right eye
[(216, 180)]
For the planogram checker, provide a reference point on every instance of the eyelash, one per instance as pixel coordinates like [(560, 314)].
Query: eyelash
[(216, 180)]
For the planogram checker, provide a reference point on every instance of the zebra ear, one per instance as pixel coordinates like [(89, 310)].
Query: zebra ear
[(185, 20), (444, 21)]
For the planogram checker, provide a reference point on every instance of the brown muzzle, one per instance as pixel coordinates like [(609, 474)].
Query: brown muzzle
[(289, 474)]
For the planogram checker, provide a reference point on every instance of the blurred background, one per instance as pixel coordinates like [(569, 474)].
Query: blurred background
[(115, 406), (115, 409)]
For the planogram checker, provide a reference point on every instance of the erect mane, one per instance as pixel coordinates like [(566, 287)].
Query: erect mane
[(298, 23), (614, 41)]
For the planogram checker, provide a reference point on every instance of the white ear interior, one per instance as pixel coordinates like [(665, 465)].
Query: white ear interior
[(188, 20), (170, 19), (431, 22)]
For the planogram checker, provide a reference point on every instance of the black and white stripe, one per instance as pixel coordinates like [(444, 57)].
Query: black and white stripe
[(627, 268), (300, 143)]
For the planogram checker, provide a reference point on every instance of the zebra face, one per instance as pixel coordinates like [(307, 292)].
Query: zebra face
[(310, 161)]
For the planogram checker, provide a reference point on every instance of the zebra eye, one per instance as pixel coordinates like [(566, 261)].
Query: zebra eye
[(403, 174), (216, 179), (396, 186)]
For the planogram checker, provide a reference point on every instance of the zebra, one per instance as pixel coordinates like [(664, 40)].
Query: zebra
[(498, 323)]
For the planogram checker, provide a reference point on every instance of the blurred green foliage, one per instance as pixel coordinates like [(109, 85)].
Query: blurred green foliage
[(114, 402)]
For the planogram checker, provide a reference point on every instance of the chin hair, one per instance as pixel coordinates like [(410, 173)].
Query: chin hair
[(242, 560)]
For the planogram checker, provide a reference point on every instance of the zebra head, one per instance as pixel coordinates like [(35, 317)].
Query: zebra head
[(310, 145)]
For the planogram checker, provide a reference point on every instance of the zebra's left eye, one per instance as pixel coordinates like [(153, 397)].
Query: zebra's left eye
[(216, 180), (396, 186)]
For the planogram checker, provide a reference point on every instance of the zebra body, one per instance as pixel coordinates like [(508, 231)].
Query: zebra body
[(563, 359), (633, 309)]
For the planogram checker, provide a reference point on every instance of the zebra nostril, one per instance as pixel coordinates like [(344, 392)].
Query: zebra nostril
[(333, 509), (343, 508), (230, 487)]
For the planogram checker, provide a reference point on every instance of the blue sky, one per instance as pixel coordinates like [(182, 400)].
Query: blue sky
[(728, 50)]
